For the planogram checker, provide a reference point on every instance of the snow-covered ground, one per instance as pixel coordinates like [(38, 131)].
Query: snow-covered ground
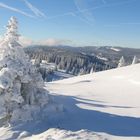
[(102, 58), (99, 106), (104, 102), (115, 49)]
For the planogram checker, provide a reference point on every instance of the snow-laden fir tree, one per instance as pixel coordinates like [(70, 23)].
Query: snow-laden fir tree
[(21, 86), (135, 60), (91, 70), (121, 62)]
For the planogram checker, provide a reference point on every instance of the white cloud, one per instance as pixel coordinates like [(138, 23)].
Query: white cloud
[(54, 42), (15, 10), (24, 41), (36, 11), (48, 42)]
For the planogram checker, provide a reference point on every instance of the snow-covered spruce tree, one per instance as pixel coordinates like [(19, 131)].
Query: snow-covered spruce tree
[(121, 62), (135, 60), (92, 70), (21, 86)]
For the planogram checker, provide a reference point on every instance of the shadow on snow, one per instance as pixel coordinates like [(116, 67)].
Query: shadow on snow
[(74, 118)]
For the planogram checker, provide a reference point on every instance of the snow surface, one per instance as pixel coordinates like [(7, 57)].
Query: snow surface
[(115, 49), (102, 58), (105, 102), (99, 106)]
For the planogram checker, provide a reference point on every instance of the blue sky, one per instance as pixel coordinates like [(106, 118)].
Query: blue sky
[(76, 22)]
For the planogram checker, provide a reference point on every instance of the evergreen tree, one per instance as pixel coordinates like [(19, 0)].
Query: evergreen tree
[(135, 60), (21, 86), (91, 70), (121, 62)]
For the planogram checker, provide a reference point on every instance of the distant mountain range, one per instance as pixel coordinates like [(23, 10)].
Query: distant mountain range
[(81, 60)]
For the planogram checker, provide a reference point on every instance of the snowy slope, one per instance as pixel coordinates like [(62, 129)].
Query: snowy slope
[(115, 91), (105, 102), (98, 106)]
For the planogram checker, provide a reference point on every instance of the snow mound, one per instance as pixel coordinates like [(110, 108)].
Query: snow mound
[(51, 134), (57, 134)]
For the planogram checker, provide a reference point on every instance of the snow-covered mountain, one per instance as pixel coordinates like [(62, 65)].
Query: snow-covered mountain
[(99, 106)]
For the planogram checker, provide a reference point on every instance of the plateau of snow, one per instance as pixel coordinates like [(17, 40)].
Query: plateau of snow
[(99, 106)]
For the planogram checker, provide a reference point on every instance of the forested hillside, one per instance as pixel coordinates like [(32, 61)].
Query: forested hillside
[(71, 60), (82, 60)]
